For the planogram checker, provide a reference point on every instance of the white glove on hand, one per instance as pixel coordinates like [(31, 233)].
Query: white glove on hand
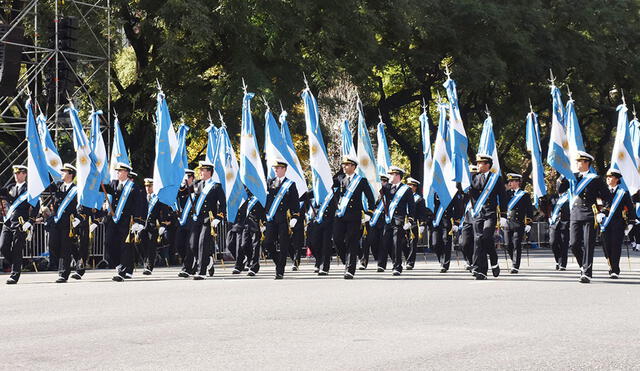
[(527, 228), (365, 218), (92, 227), (600, 217), (292, 223), (76, 221), (215, 223), (26, 226), (137, 227), (406, 226), (263, 228), (161, 231), (454, 228), (626, 231), (503, 221), (421, 229)]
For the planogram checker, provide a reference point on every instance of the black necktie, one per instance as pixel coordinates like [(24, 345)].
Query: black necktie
[(119, 186)]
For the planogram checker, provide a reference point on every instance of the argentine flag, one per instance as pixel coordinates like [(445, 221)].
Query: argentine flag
[(574, 134), (54, 162), (487, 144), (443, 182), (346, 136), (459, 141), (427, 158), (622, 155), (286, 135), (383, 155), (251, 171), (37, 168), (167, 170), (558, 155), (366, 158), (118, 150), (98, 148), (321, 178), (230, 181), (537, 167)]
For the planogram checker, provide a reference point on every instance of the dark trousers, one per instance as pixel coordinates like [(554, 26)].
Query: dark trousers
[(297, 242), (61, 245), (234, 243), (484, 244), (81, 248), (559, 241), (514, 234), (250, 249), (396, 238), (276, 242), (442, 240), (201, 246), (183, 247), (12, 242), (346, 236), (371, 244), (322, 234), (411, 247), (120, 255), (612, 244), (466, 242), (149, 248), (582, 238), (313, 244)]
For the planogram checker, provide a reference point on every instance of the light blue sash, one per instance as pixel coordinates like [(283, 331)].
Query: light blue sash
[(123, 200), (614, 206), (65, 202), (514, 200), (152, 203), (439, 215), (344, 200), (377, 213), (15, 205), (467, 208), (252, 203), (276, 201), (556, 209), (185, 211), (573, 194), (394, 204), (323, 207), (208, 185), (493, 179)]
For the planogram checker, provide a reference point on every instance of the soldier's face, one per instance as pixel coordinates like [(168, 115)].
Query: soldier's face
[(205, 173), (280, 171), (612, 181), (20, 177), (483, 166), (67, 177), (190, 179), (348, 168), (148, 188), (514, 184), (397, 178), (384, 181), (583, 165), (414, 188), (123, 175)]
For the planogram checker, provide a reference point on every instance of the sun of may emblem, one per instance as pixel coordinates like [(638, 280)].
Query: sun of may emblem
[(228, 176), (621, 155), (314, 149), (565, 145), (53, 162), (83, 160)]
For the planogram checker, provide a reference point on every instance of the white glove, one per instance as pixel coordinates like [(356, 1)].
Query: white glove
[(455, 228), (626, 231), (75, 223), (600, 217), (637, 221), (503, 221), (215, 222), (406, 226), (292, 223), (92, 227), (421, 229), (137, 227), (26, 226), (365, 218), (527, 228), (262, 229), (161, 230)]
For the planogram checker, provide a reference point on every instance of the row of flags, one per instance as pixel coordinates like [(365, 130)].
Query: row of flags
[(444, 168)]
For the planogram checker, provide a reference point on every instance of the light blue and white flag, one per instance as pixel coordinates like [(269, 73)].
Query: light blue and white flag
[(574, 134), (277, 150), (346, 139), (251, 170), (37, 168), (533, 146), (459, 141), (558, 155), (442, 182), (182, 146), (286, 135), (383, 155), (622, 155), (87, 174), (213, 140), (366, 157), (321, 177), (427, 157), (167, 170), (98, 148), (54, 162), (233, 187), (118, 150), (634, 136), (487, 144)]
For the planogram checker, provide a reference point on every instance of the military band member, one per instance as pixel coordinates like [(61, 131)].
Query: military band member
[(487, 193), (158, 218), (466, 228), (559, 229), (375, 228), (445, 223), (350, 213), (63, 221), (582, 233), (282, 216), (517, 223), (86, 231), (184, 206), (209, 209), (124, 218), (614, 226), (297, 236), (322, 238), (418, 226), (250, 219), (18, 222), (399, 208)]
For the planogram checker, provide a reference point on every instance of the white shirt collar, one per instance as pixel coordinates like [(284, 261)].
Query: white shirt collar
[(20, 184), (584, 173)]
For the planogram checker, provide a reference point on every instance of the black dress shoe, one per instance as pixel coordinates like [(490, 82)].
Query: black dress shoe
[(480, 276), (323, 273), (278, 277), (198, 277), (245, 269), (557, 266), (236, 271), (76, 276), (211, 270), (396, 273), (117, 278), (348, 276), (61, 280), (316, 270), (251, 273), (380, 270), (146, 272), (585, 279), (514, 271), (409, 267), (11, 281), (495, 271), (443, 270), (183, 274)]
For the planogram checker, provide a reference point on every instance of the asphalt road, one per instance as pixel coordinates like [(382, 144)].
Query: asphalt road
[(538, 319)]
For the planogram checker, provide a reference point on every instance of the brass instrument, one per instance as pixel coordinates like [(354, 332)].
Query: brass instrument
[(71, 232), (128, 240), (29, 233), (91, 233), (364, 227), (406, 220), (262, 233), (419, 234), (289, 221), (451, 230), (159, 239), (594, 208), (213, 229)]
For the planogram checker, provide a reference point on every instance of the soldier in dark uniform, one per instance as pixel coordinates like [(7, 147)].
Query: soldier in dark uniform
[(559, 229), (159, 217), (444, 228), (485, 204), (517, 223), (60, 225), (184, 206), (251, 217), (466, 229), (282, 216), (417, 228), (322, 238), (619, 220), (209, 208), (350, 213), (375, 228), (297, 236), (399, 211), (310, 213), (18, 221), (582, 233), (124, 218)]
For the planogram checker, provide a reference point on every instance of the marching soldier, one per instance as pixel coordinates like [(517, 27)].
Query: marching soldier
[(159, 217), (249, 221), (399, 208), (322, 236), (375, 228), (17, 222), (487, 194), (282, 216), (466, 231), (124, 219), (209, 209), (517, 223), (417, 228), (559, 229), (445, 223), (62, 222), (350, 213), (582, 203), (184, 206), (614, 227)]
